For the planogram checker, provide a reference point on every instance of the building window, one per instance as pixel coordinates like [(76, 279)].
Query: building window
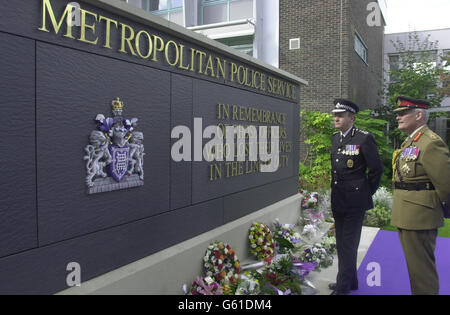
[(243, 43), (171, 10), (394, 62), (217, 11), (360, 48)]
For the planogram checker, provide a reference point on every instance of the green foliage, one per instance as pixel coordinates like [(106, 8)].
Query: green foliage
[(315, 169), (378, 216), (377, 127), (416, 75), (269, 279), (442, 232), (285, 245)]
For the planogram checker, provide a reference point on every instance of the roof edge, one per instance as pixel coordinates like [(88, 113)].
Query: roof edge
[(141, 16)]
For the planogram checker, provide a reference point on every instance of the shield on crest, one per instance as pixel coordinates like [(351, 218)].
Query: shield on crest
[(120, 159)]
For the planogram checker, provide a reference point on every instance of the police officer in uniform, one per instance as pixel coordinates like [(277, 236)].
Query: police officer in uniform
[(421, 193), (353, 152)]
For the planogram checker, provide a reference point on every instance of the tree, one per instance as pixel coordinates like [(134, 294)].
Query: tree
[(445, 77), (416, 74), (315, 168)]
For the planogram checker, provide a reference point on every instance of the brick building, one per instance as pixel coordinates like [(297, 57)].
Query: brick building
[(338, 53)]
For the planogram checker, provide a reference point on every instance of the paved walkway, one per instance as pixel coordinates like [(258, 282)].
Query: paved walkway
[(326, 276)]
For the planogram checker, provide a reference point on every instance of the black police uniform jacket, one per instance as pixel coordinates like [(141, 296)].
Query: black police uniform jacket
[(352, 186)]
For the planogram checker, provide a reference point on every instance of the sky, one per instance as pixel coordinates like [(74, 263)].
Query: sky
[(417, 15)]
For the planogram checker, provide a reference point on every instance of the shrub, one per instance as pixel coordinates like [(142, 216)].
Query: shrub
[(378, 217), (383, 198)]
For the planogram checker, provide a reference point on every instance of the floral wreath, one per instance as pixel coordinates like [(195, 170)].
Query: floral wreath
[(205, 286), (221, 263), (262, 244)]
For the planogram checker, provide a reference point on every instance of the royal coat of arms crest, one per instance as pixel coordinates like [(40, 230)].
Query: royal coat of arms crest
[(115, 154)]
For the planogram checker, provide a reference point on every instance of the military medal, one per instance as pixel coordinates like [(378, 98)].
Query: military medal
[(410, 154), (406, 169), (350, 163), (351, 150)]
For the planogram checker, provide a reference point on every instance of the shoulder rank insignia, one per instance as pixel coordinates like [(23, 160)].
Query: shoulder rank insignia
[(418, 137), (363, 132)]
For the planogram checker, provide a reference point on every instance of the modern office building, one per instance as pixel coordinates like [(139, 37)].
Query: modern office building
[(337, 46), (441, 125)]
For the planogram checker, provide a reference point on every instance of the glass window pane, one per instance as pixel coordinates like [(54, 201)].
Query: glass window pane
[(156, 5), (215, 13), (360, 48), (394, 62), (242, 9), (177, 17), (176, 4)]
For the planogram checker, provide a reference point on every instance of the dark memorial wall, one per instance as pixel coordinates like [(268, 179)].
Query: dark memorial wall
[(56, 78)]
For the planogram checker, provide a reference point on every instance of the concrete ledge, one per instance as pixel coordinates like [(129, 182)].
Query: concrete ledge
[(141, 16), (166, 271)]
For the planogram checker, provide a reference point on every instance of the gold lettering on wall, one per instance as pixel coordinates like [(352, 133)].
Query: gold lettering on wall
[(156, 48)]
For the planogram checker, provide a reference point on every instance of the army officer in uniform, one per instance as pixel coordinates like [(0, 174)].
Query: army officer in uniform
[(421, 193), (353, 152)]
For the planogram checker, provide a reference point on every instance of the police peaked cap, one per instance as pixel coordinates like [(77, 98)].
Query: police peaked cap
[(405, 103), (342, 105)]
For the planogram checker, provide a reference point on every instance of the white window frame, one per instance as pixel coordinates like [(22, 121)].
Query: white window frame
[(364, 53)]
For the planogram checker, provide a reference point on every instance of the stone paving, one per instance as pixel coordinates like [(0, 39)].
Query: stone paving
[(321, 279)]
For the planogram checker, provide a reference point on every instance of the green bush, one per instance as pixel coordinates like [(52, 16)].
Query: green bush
[(315, 168), (378, 217)]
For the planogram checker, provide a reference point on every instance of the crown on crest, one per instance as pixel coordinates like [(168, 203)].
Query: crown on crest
[(117, 104)]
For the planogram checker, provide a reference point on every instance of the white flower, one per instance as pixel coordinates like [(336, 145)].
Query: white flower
[(253, 245), (209, 280)]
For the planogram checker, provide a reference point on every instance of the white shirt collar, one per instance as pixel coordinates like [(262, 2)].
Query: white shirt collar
[(416, 131), (346, 133)]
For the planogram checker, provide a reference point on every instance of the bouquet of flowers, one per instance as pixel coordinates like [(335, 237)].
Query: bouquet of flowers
[(302, 269), (317, 253), (221, 263), (248, 285), (205, 286), (315, 211), (311, 214), (311, 233), (329, 243), (285, 237), (262, 244), (280, 278)]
